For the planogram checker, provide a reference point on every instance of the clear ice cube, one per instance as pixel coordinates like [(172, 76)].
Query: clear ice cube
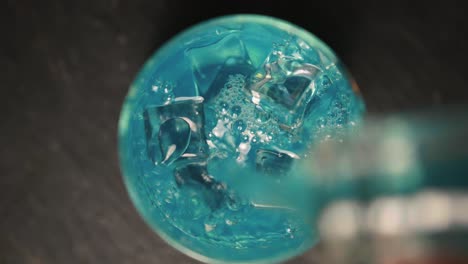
[(273, 162), (284, 83), (174, 138), (175, 131), (212, 64), (195, 176)]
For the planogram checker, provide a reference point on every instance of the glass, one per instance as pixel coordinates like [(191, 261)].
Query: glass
[(234, 99)]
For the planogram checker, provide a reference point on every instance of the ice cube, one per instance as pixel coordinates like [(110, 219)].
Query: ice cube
[(284, 83), (175, 131), (274, 162), (195, 176), (213, 63), (174, 138)]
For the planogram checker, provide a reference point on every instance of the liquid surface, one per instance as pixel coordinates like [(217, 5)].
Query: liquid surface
[(242, 96)]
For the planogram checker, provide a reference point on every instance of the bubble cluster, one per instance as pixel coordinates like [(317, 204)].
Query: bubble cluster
[(239, 123), (342, 113)]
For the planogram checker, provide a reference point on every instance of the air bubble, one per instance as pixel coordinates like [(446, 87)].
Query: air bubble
[(236, 111), (226, 119), (168, 88), (255, 140), (224, 107), (321, 122), (325, 82), (168, 98), (239, 126)]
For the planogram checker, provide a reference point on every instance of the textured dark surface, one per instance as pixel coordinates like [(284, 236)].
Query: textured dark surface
[(64, 70)]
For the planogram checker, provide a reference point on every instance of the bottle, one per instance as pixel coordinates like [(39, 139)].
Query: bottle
[(395, 191)]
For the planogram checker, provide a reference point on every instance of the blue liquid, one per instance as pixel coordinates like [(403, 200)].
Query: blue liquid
[(239, 96)]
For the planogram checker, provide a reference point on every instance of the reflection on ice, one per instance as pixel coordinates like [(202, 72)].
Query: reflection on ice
[(174, 132), (174, 138), (273, 162)]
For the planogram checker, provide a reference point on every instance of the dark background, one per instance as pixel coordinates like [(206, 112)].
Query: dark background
[(65, 67)]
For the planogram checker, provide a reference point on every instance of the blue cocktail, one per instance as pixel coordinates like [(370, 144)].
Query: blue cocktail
[(236, 97)]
